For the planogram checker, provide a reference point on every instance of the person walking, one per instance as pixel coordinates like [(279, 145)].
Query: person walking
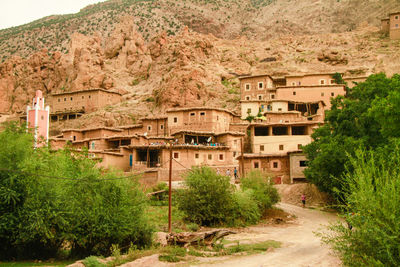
[(303, 200), (228, 173), (235, 174)]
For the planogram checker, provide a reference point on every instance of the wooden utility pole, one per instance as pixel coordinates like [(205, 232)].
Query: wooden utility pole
[(170, 190), (242, 157)]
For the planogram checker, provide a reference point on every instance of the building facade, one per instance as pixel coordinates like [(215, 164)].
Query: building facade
[(391, 25), (38, 119)]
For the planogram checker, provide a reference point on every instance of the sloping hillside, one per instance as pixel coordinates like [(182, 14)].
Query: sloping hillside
[(226, 19)]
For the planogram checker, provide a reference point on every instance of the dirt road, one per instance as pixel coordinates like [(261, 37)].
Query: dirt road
[(300, 247)]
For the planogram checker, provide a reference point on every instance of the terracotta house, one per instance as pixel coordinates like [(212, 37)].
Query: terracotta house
[(391, 25), (82, 101)]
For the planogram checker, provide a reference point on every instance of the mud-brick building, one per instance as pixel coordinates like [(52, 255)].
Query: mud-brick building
[(64, 104), (391, 25), (214, 120), (258, 91)]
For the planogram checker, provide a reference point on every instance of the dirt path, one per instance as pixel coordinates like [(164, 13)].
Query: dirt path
[(300, 247)]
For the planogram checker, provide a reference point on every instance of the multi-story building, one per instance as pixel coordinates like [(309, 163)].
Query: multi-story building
[(391, 25)]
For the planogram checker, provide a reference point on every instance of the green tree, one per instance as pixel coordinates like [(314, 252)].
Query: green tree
[(373, 210), (354, 121), (49, 198)]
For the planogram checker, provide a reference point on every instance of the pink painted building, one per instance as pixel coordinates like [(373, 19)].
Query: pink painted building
[(38, 119)]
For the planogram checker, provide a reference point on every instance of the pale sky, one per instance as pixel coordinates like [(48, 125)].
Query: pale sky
[(18, 12)]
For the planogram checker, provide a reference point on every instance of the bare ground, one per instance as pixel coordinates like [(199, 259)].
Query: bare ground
[(299, 245)]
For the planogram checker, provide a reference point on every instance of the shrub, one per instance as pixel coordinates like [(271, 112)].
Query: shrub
[(93, 261), (246, 210), (373, 211), (263, 192), (208, 198), (50, 198)]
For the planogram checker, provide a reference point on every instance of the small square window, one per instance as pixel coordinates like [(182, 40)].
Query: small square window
[(71, 98), (221, 156), (234, 154), (280, 147), (89, 96), (261, 147), (247, 87), (247, 97), (260, 97), (197, 155), (202, 113), (256, 165), (176, 155), (74, 138), (332, 81), (249, 110), (322, 81), (299, 146), (65, 99), (396, 17), (175, 119), (83, 97), (59, 100), (303, 163), (294, 83), (272, 96), (209, 156), (279, 109), (162, 126), (260, 86), (294, 93), (275, 165), (149, 128), (332, 94), (322, 94), (192, 114)]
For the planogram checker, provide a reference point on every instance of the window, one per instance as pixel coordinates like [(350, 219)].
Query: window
[(396, 17), (259, 97), (89, 96), (42, 117), (294, 83), (299, 83), (65, 99), (71, 98), (332, 94), (269, 107), (202, 113), (175, 119), (261, 147), (299, 146), (247, 87), (196, 156), (322, 94), (209, 156), (162, 126), (260, 85), (93, 145), (303, 163), (192, 114), (83, 97), (275, 165), (280, 147), (221, 157), (279, 109), (332, 81), (234, 154), (294, 93), (176, 155), (74, 138), (149, 128), (256, 165), (322, 81), (59, 100), (249, 111), (247, 97), (272, 96)]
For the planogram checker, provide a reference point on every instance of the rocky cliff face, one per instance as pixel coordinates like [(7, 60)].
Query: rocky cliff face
[(186, 69)]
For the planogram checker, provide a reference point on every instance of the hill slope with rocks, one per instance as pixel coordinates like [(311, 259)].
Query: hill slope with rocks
[(187, 68)]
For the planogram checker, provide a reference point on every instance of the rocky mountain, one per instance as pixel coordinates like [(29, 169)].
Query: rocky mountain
[(196, 64)]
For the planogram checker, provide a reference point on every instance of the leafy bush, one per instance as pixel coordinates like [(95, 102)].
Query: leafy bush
[(49, 198), (246, 210), (93, 261), (208, 198), (373, 211), (263, 192)]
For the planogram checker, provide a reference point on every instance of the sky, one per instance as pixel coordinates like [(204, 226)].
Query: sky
[(18, 12)]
